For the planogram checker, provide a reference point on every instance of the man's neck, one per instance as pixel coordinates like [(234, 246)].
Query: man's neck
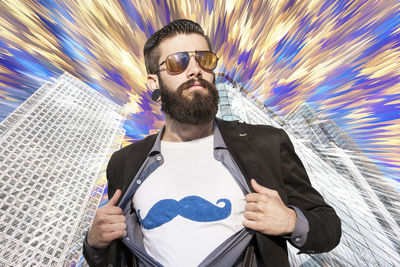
[(180, 132)]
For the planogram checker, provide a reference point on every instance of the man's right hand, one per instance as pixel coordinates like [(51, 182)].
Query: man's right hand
[(108, 224)]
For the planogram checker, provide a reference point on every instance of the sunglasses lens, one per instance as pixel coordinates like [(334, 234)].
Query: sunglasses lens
[(206, 59), (177, 62)]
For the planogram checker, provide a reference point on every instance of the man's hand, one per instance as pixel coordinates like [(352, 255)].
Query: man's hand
[(266, 213), (108, 224)]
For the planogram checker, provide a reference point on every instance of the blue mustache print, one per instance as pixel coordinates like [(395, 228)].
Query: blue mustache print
[(191, 207)]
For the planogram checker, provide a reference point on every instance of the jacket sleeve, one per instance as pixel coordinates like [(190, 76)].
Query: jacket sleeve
[(93, 256), (324, 224)]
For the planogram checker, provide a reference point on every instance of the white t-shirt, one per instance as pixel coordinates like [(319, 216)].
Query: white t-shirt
[(189, 205)]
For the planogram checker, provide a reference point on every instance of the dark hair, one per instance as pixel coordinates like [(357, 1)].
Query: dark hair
[(151, 48)]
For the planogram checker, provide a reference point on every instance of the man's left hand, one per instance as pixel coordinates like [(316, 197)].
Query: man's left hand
[(266, 212)]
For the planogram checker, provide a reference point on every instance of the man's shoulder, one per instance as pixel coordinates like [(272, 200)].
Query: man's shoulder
[(239, 125), (264, 127)]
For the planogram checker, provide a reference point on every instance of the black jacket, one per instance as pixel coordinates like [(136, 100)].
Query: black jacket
[(264, 153)]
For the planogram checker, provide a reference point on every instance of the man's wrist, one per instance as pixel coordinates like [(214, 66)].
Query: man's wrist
[(89, 242), (94, 248), (88, 239), (291, 222)]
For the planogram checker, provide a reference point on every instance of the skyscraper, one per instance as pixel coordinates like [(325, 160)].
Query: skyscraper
[(347, 158), (54, 147), (338, 169)]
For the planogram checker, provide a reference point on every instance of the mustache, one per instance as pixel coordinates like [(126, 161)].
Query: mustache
[(204, 83), (193, 208)]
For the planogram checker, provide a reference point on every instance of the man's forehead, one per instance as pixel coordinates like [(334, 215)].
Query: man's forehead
[(183, 42)]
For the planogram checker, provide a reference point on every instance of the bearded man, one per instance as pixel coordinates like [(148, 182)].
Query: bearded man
[(203, 191)]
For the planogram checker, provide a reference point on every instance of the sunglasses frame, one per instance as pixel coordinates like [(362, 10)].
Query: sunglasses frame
[(190, 56)]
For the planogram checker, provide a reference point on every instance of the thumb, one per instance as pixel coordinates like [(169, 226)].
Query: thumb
[(259, 188), (113, 201)]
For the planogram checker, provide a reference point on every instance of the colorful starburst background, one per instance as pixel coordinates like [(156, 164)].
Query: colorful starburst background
[(342, 57)]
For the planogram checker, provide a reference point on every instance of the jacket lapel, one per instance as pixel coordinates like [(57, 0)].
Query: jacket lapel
[(237, 139), (135, 159)]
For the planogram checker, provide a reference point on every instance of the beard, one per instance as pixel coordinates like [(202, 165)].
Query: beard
[(201, 108)]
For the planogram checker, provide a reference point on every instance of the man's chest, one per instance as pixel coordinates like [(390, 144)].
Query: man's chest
[(191, 203), (197, 188)]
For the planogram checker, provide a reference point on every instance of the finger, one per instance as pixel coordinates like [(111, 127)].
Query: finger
[(256, 197), (252, 206), (110, 219), (250, 215), (117, 219), (260, 189), (114, 227), (251, 224), (114, 200), (114, 235), (112, 210), (104, 219)]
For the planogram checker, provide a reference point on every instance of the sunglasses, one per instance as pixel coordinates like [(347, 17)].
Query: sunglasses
[(178, 62)]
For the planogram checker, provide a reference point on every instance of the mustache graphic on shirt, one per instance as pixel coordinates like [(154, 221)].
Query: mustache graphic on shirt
[(193, 208)]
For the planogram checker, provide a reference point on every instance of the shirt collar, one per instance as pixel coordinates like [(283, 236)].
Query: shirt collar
[(156, 149), (218, 140)]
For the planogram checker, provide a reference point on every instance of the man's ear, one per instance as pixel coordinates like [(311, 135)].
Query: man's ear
[(153, 84)]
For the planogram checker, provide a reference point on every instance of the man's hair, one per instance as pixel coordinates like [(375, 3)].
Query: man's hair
[(151, 49)]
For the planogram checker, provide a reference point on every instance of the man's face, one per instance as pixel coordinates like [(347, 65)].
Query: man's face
[(190, 96)]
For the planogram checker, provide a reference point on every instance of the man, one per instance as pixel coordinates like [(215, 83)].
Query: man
[(204, 192)]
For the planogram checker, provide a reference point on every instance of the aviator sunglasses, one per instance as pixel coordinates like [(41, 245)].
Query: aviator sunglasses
[(178, 62)]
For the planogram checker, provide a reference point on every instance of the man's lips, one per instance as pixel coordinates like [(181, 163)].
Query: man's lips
[(196, 87)]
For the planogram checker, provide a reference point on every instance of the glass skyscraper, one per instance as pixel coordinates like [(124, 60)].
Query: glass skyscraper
[(54, 148), (366, 201)]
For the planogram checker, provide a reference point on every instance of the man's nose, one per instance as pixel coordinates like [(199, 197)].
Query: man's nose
[(193, 69)]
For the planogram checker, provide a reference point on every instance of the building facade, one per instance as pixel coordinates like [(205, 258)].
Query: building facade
[(366, 201), (54, 147)]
